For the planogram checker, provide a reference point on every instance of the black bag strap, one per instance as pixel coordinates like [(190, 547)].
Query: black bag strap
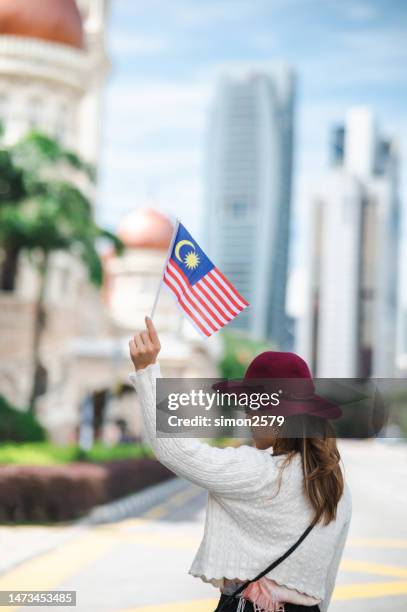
[(270, 567)]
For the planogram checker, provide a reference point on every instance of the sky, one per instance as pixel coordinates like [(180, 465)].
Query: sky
[(167, 57)]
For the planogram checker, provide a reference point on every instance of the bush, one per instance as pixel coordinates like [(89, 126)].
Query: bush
[(37, 453), (239, 350), (52, 493), (66, 492), (45, 453), (18, 426), (101, 452), (129, 476)]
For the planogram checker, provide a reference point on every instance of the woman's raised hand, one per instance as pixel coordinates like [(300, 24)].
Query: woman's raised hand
[(145, 346)]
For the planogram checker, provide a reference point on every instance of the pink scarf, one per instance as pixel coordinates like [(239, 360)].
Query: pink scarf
[(263, 597), (268, 596)]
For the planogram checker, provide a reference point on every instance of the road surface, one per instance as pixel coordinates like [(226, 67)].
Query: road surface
[(140, 563)]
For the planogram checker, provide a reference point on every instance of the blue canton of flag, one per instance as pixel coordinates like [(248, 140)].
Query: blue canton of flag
[(203, 293)]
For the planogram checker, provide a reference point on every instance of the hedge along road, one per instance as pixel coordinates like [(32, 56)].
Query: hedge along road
[(141, 563)]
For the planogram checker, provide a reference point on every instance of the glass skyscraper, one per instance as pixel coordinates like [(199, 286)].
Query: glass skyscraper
[(350, 325), (249, 166)]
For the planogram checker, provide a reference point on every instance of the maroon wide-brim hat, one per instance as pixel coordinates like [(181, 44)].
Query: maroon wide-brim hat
[(288, 374)]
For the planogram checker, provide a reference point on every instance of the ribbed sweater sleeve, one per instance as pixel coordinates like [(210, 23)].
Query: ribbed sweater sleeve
[(228, 472), (333, 568)]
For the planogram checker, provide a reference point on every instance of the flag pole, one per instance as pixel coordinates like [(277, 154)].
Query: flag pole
[(157, 295)]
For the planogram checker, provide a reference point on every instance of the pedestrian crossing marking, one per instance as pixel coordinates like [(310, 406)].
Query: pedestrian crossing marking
[(175, 501), (376, 543), (156, 513), (349, 565), (201, 605), (369, 590), (366, 590), (51, 569), (343, 592), (161, 540), (48, 570)]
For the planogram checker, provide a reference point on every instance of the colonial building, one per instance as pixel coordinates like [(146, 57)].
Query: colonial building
[(53, 65)]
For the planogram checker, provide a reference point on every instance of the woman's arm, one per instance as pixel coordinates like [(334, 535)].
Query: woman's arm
[(225, 471)]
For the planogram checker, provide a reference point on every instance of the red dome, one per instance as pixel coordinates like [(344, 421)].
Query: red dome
[(53, 20), (146, 228)]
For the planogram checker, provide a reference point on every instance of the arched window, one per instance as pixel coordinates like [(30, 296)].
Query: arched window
[(3, 108), (62, 124), (35, 112)]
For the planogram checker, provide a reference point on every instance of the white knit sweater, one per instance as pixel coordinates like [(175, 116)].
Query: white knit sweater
[(249, 522)]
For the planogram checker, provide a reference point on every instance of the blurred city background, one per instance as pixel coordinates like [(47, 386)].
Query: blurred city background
[(276, 131)]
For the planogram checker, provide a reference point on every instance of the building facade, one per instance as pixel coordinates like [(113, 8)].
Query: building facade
[(53, 65), (352, 301), (249, 166)]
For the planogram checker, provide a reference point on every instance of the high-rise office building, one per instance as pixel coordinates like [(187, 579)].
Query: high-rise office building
[(249, 193), (350, 323)]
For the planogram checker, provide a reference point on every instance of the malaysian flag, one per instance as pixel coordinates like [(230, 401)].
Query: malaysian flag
[(203, 293)]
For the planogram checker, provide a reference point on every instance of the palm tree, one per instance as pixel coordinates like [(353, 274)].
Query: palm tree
[(42, 210)]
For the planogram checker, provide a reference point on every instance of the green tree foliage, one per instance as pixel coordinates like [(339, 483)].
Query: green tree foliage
[(239, 350), (18, 426), (43, 210)]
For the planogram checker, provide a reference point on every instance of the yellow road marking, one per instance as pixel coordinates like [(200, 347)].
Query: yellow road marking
[(165, 541), (130, 522), (186, 495), (201, 605), (156, 512), (121, 526), (365, 590), (160, 540), (369, 590), (377, 543), (48, 570), (176, 500), (394, 571)]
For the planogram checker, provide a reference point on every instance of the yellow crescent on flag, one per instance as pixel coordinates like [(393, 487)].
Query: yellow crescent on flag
[(179, 245)]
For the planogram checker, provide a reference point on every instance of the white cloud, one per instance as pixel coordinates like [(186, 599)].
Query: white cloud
[(192, 13), (161, 163), (155, 105), (154, 145), (360, 11), (371, 55), (157, 92), (177, 195), (241, 68), (134, 44), (205, 14)]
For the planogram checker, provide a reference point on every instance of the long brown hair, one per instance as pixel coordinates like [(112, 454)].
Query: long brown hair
[(315, 440)]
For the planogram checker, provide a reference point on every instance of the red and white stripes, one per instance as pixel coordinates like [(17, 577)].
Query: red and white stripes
[(210, 303)]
